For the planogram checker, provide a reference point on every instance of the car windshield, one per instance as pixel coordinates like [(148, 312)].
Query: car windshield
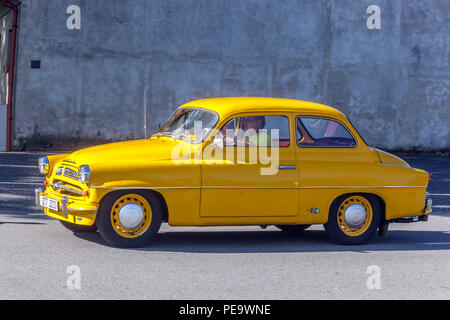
[(189, 124)]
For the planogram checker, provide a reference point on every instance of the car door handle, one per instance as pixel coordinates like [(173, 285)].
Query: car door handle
[(287, 167)]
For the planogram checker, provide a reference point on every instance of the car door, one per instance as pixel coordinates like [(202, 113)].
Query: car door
[(241, 179)]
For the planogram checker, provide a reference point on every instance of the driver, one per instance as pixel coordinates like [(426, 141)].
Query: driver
[(253, 136)]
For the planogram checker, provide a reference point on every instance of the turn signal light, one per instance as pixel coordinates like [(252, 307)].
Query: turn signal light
[(86, 193), (46, 183)]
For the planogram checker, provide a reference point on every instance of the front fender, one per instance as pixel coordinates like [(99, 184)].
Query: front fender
[(178, 184)]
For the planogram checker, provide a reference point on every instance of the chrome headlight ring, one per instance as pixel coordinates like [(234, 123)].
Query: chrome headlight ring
[(44, 165), (84, 173)]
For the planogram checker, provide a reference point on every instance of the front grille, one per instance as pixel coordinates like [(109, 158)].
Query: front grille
[(69, 173), (67, 188)]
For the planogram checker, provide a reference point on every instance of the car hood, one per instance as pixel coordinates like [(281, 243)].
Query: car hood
[(126, 151)]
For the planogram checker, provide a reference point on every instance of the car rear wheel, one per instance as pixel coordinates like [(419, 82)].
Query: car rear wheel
[(129, 219), (78, 228), (292, 227), (353, 219)]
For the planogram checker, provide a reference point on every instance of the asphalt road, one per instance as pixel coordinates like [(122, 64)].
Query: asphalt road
[(42, 260)]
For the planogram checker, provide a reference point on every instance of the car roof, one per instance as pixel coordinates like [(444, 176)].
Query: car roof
[(232, 105)]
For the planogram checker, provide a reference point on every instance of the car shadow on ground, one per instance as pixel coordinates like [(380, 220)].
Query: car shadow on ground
[(265, 241)]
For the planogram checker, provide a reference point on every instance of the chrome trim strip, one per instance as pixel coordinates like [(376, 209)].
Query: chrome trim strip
[(230, 187), (236, 187), (397, 165), (362, 187), (393, 165), (126, 188)]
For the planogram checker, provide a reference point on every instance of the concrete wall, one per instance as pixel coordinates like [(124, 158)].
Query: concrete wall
[(393, 83)]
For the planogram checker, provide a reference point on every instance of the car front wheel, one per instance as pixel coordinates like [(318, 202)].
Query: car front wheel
[(353, 219), (129, 219)]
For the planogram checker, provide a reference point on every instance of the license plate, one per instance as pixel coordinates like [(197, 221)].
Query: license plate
[(49, 203)]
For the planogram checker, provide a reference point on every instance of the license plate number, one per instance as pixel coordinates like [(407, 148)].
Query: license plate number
[(49, 203)]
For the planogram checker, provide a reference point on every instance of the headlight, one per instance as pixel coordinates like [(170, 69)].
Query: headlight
[(44, 165), (85, 173)]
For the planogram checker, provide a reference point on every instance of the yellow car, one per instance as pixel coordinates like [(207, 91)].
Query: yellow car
[(236, 161)]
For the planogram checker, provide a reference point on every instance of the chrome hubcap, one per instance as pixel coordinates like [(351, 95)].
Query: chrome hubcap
[(131, 216), (355, 215)]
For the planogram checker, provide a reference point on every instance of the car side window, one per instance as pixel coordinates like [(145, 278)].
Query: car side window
[(254, 131), (263, 131), (322, 132)]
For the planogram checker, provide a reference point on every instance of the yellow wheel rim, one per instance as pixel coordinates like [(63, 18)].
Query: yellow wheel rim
[(131, 216), (354, 216)]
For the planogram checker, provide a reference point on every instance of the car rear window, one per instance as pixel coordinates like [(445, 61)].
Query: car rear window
[(322, 132)]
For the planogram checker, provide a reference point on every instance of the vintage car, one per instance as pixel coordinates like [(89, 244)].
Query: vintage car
[(236, 161)]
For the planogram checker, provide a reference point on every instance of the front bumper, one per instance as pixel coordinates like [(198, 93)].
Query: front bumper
[(69, 209)]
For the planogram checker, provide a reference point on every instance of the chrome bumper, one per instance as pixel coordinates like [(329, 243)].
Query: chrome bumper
[(37, 193), (426, 212), (428, 206), (64, 201)]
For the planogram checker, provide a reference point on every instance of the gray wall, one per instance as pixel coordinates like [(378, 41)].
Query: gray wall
[(393, 83)]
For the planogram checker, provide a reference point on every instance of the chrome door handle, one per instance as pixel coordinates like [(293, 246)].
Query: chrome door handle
[(287, 167)]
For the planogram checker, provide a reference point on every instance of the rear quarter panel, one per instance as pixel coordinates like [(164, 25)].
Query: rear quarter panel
[(327, 173), (323, 179)]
